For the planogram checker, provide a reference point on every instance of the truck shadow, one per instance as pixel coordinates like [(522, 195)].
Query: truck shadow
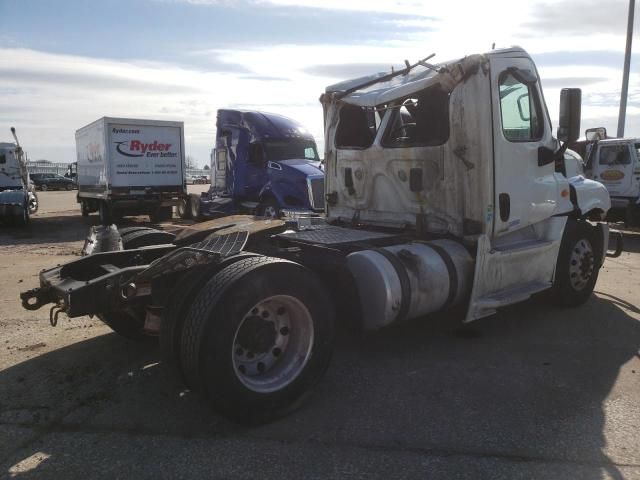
[(48, 229), (529, 385)]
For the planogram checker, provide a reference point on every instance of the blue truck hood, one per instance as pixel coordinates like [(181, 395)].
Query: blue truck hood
[(309, 168)]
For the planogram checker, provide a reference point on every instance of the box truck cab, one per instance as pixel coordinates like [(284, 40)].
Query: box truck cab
[(263, 163)]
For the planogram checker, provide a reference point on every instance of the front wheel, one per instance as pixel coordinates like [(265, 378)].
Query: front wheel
[(578, 264), (194, 206), (182, 209), (22, 218), (257, 338), (44, 187)]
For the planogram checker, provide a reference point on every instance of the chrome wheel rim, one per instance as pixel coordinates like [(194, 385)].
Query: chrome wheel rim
[(33, 205), (581, 264), (272, 344)]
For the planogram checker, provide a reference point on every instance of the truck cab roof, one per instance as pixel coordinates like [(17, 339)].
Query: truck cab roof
[(262, 125), (448, 74)]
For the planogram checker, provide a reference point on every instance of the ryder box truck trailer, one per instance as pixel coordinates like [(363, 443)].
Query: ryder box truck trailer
[(130, 167)]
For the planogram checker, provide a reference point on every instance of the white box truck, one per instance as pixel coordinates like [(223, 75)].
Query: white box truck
[(130, 167)]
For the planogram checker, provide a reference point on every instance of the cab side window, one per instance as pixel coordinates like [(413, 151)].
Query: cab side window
[(420, 121), (519, 109), (357, 127)]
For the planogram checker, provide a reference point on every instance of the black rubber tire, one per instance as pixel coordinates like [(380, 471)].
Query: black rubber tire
[(194, 206), (104, 210), (22, 219), (182, 210), (209, 330), (44, 187), (84, 208), (125, 324), (146, 238), (68, 188), (162, 214), (127, 230), (181, 299), (563, 293), (269, 203)]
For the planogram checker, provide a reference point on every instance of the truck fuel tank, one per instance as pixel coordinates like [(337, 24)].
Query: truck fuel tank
[(406, 281)]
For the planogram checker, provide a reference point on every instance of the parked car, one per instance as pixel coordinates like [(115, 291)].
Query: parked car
[(202, 179), (52, 181)]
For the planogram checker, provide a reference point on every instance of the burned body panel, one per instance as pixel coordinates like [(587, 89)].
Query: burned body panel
[(435, 188)]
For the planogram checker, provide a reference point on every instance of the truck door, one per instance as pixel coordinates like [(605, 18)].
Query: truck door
[(256, 171), (525, 193), (613, 165)]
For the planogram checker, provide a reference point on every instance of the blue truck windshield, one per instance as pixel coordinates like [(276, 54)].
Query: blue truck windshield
[(289, 149)]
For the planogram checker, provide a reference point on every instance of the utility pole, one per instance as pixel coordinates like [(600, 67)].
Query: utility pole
[(625, 75)]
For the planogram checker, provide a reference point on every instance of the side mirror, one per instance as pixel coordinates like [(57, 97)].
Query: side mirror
[(570, 105), (593, 134)]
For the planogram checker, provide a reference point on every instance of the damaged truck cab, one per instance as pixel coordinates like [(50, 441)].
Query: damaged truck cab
[(445, 188), (263, 163), (463, 150)]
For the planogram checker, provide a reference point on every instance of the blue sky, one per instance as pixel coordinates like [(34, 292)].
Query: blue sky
[(64, 64)]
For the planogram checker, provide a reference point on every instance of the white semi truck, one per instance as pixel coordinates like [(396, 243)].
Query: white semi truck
[(18, 199), (445, 190), (130, 167)]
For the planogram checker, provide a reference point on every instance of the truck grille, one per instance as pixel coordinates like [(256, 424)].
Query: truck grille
[(316, 193)]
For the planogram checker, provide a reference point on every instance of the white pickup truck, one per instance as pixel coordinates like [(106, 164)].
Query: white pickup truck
[(616, 163), (445, 188)]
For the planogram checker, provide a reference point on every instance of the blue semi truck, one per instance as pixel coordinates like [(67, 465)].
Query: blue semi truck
[(262, 163)]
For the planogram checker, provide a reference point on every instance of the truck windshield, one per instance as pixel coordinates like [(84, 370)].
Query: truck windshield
[(289, 149), (615, 155)]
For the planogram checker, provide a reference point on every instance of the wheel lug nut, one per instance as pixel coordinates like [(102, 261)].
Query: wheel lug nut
[(242, 369), (284, 331)]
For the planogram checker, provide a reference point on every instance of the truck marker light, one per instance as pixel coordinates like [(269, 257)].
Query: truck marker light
[(564, 193)]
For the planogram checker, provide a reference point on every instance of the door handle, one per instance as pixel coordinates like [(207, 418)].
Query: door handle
[(504, 203)]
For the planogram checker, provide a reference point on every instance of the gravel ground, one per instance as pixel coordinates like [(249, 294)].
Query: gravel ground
[(532, 392)]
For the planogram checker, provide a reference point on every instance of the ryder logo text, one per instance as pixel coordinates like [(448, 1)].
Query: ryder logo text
[(136, 148)]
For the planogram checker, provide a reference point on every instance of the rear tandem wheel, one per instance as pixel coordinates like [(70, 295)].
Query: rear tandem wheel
[(258, 337)]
